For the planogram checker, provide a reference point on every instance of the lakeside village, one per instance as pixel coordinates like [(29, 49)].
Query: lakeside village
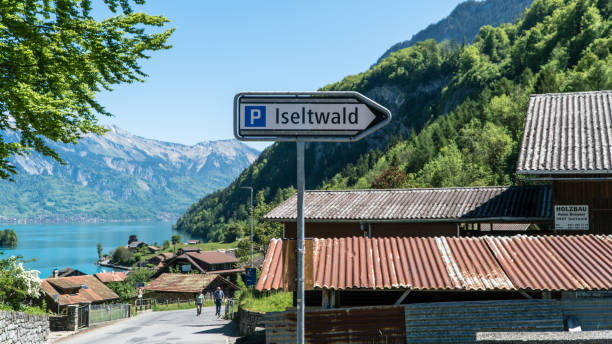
[(411, 263)]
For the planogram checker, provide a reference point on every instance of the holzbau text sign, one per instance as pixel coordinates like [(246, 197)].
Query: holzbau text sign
[(310, 116), (572, 217)]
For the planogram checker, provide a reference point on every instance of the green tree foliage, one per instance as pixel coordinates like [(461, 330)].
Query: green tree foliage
[(99, 248), (17, 285), (166, 244), (461, 107), (54, 58), (126, 289), (391, 178), (8, 238), (123, 256)]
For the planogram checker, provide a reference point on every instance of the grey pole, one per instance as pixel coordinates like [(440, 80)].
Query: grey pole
[(250, 188), (251, 226), (300, 240)]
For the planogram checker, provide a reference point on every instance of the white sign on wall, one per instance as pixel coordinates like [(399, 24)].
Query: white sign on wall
[(572, 217)]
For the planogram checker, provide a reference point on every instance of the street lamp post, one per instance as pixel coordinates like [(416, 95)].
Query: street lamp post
[(250, 188)]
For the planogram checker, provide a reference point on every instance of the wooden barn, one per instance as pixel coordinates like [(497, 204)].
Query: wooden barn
[(567, 144)]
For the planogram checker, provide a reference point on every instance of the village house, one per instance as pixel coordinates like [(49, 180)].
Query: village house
[(75, 290), (172, 287), (208, 262), (158, 260)]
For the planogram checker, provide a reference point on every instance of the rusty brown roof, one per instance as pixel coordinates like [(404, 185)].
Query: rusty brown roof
[(95, 290), (505, 203), (185, 283), (567, 133), (382, 263), (444, 263), (112, 276), (556, 262), (212, 257)]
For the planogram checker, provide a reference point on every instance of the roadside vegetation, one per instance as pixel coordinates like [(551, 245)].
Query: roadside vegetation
[(19, 288), (266, 301)]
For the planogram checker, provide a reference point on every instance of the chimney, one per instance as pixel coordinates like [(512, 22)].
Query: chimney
[(55, 273)]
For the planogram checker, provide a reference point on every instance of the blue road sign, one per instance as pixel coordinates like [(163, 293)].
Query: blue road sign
[(251, 277)]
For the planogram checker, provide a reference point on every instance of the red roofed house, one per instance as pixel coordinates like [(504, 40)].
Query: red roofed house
[(75, 290), (208, 262)]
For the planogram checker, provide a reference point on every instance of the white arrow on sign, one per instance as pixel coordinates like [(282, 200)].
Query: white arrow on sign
[(313, 116)]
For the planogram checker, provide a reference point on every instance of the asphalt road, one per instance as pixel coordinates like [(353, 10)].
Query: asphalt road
[(163, 327)]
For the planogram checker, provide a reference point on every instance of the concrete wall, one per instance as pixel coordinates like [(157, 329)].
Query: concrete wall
[(249, 320), (22, 328)]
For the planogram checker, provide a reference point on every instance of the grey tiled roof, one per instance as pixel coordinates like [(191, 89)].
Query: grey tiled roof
[(567, 133), (442, 204)]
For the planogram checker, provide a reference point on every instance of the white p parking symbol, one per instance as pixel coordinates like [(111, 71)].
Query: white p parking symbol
[(255, 114)]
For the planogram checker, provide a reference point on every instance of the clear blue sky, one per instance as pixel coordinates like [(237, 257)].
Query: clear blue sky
[(221, 48)]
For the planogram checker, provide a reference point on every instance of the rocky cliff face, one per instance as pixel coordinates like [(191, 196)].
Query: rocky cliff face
[(120, 176)]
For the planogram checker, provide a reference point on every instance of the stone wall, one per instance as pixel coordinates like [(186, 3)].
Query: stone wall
[(22, 328), (68, 322), (249, 320)]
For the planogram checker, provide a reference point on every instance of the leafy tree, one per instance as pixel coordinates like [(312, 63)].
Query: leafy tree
[(17, 284), (391, 178), (176, 239), (122, 256), (8, 238), (126, 289), (99, 247), (166, 244), (54, 58)]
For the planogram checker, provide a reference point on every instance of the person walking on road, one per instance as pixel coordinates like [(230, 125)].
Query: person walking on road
[(219, 297), (199, 302)]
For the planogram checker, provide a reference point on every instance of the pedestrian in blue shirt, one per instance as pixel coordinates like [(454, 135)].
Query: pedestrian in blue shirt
[(219, 297)]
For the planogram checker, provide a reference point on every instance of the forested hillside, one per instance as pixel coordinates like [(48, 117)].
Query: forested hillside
[(458, 112), (465, 21)]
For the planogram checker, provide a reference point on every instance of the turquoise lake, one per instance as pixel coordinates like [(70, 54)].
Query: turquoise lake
[(74, 245)]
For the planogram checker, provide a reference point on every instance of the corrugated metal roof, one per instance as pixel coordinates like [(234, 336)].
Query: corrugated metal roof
[(555, 262), (383, 263), (445, 263), (96, 291), (451, 204), (567, 133)]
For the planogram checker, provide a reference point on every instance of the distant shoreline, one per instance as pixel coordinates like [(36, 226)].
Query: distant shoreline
[(79, 220)]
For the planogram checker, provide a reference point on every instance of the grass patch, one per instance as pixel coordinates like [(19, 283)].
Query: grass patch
[(268, 301), (159, 307)]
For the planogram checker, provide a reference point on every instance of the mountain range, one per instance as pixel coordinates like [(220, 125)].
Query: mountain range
[(118, 176)]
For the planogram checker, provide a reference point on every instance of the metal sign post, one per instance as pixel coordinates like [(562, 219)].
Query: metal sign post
[(305, 117)]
